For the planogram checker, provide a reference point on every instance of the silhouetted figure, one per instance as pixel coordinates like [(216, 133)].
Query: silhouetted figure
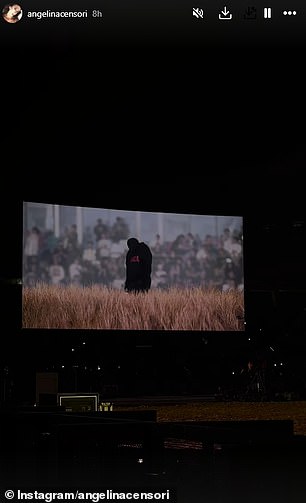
[(138, 266)]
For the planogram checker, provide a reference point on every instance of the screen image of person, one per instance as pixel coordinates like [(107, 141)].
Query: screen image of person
[(138, 266)]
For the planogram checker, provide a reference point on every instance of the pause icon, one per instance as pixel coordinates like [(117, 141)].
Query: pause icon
[(267, 12)]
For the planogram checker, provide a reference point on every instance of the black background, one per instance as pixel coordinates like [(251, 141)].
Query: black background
[(148, 112)]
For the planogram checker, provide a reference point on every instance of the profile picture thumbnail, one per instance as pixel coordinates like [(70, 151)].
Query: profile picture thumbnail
[(12, 13)]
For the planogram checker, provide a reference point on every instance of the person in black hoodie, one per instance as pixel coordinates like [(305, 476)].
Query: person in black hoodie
[(138, 266)]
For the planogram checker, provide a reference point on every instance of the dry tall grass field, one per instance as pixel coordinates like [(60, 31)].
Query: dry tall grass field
[(98, 307)]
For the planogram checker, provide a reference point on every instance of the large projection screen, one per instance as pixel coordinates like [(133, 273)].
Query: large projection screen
[(74, 270)]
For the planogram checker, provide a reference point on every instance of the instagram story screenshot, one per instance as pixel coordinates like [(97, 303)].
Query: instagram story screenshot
[(153, 251)]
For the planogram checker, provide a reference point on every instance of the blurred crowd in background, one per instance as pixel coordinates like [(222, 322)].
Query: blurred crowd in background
[(189, 260)]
